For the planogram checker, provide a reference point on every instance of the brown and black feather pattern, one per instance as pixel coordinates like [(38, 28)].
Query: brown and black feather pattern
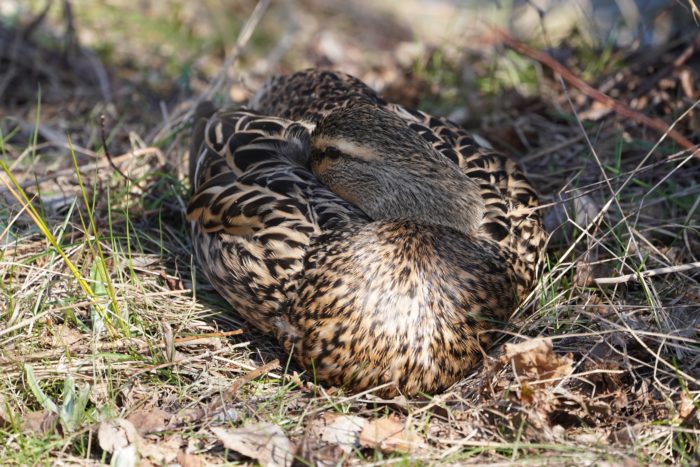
[(359, 302)]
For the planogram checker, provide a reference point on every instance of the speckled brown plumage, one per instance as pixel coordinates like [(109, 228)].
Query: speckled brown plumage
[(374, 242)]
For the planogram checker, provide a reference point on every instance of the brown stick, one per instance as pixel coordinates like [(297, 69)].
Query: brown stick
[(622, 110), (189, 339), (250, 376)]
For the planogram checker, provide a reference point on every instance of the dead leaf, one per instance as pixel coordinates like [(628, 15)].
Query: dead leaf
[(606, 374), (344, 431), (389, 435), (686, 405), (128, 457), (226, 414), (189, 460), (628, 434), (687, 83), (67, 336), (589, 438), (163, 452), (263, 442), (149, 420), (117, 434), (534, 360), (585, 274), (100, 393), (585, 208), (40, 422), (327, 442)]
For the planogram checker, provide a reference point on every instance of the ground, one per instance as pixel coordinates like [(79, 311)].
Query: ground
[(113, 348)]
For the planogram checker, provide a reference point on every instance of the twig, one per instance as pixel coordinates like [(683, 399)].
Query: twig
[(695, 10), (192, 416), (134, 345), (243, 37), (191, 340), (687, 53), (649, 83), (686, 239), (70, 39), (34, 23), (250, 376), (109, 156), (649, 273), (111, 161), (622, 110)]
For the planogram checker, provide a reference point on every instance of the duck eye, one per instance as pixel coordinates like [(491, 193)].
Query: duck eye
[(333, 152)]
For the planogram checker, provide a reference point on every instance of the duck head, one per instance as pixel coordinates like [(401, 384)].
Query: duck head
[(371, 158)]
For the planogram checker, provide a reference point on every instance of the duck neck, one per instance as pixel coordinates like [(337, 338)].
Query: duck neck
[(444, 196)]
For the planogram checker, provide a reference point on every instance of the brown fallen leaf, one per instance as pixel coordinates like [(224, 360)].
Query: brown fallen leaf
[(585, 274), (163, 452), (40, 422), (606, 374), (67, 336), (534, 360), (117, 434), (189, 460), (263, 442), (628, 434), (686, 405), (390, 435), (149, 420), (326, 442), (344, 431)]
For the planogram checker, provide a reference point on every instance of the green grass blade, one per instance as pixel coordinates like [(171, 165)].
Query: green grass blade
[(40, 395)]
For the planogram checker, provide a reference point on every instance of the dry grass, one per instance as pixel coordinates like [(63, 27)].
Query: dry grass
[(104, 318)]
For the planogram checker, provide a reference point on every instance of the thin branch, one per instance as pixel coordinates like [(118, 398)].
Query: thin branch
[(36, 21), (220, 80), (648, 273), (109, 156), (243, 37), (622, 110)]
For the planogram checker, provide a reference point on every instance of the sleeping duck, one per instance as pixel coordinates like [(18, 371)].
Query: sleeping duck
[(377, 244)]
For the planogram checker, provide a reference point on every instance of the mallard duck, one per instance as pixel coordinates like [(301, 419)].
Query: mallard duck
[(376, 243)]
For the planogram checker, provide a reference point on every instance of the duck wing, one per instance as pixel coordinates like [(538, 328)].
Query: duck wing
[(511, 217), (309, 95), (256, 208)]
